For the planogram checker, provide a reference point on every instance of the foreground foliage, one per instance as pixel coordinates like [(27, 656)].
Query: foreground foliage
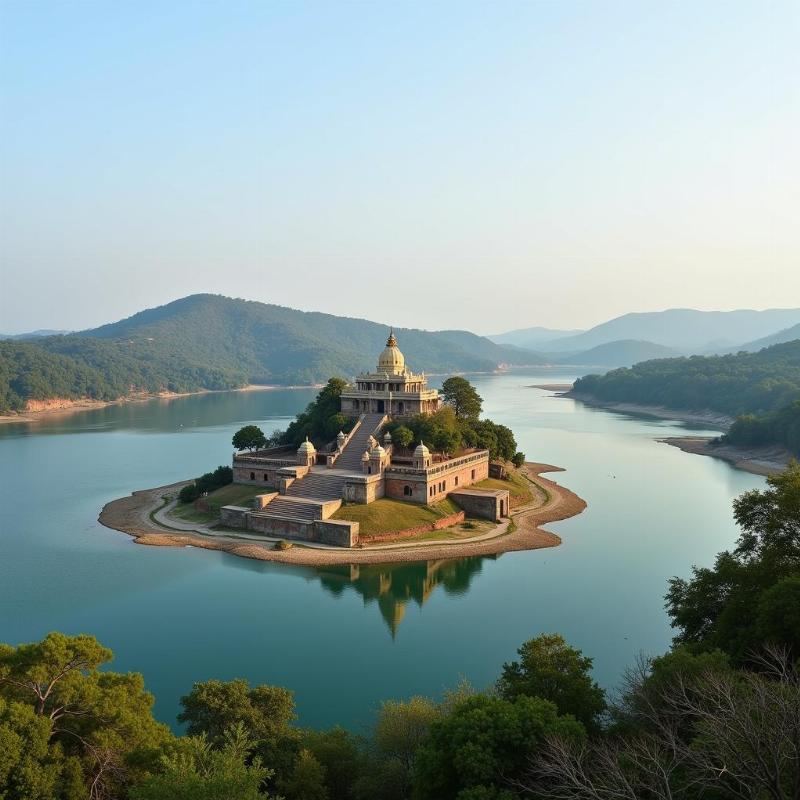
[(716, 718)]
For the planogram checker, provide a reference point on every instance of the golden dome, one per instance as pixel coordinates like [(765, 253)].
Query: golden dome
[(391, 359), (306, 447)]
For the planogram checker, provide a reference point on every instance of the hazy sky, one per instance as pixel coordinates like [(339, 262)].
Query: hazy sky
[(485, 165)]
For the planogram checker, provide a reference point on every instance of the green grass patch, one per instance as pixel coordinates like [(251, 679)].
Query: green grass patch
[(387, 515), (234, 494), (519, 487)]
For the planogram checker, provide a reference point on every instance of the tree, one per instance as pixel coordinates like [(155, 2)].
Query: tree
[(306, 781), (549, 668), (399, 730), (198, 771), (484, 745), (250, 437), (462, 396), (337, 750), (402, 436), (101, 720), (733, 605), (214, 706), (714, 732), (322, 418)]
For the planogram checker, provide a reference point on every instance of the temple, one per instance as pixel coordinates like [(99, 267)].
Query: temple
[(392, 389), (305, 487)]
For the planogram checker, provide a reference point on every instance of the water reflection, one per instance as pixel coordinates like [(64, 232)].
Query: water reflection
[(393, 586)]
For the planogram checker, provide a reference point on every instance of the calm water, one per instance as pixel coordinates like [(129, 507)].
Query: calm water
[(344, 639)]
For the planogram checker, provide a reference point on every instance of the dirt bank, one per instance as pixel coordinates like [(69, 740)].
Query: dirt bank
[(758, 460), (132, 515), (552, 387), (711, 418)]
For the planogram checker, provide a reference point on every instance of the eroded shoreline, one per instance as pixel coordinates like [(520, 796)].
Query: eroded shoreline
[(713, 419), (758, 460), (133, 515)]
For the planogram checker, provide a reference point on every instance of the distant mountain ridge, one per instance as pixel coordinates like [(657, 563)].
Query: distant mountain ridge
[(32, 334), (214, 342), (684, 330), (533, 338), (786, 335), (622, 353)]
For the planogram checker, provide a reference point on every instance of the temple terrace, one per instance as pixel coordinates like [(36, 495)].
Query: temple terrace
[(305, 487)]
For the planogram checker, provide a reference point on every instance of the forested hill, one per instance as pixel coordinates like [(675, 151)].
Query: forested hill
[(214, 342), (733, 384)]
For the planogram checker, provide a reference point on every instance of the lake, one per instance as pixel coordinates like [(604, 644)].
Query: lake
[(345, 639)]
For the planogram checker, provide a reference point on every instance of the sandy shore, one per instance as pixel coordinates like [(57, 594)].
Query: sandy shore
[(758, 460), (711, 418), (48, 409), (552, 387), (132, 515)]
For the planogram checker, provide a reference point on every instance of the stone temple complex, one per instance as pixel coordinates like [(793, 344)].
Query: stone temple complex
[(303, 488)]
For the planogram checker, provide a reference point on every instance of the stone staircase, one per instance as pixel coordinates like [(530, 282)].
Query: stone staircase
[(350, 459), (287, 508), (317, 486), (303, 500)]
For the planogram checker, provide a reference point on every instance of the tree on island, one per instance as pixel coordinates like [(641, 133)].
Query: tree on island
[(402, 436), (250, 437), (457, 424), (462, 396), (322, 418)]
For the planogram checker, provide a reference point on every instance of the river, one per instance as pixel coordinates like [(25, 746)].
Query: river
[(345, 639)]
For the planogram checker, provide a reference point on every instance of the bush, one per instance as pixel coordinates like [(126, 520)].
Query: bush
[(282, 544), (189, 493), (220, 477), (518, 460)]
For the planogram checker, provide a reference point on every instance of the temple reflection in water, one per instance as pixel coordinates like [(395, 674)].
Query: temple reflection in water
[(393, 586)]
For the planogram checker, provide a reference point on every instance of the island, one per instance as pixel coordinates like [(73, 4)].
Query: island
[(375, 491)]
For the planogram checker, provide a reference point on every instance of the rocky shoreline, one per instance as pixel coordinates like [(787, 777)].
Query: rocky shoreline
[(714, 419), (758, 460), (133, 515)]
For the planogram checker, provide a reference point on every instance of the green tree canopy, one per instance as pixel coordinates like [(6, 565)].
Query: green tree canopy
[(462, 396), (485, 744), (549, 668), (402, 436), (214, 706), (736, 605), (322, 419), (338, 751), (93, 722), (250, 437), (306, 780), (199, 771)]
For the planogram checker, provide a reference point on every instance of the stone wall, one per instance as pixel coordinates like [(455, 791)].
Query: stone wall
[(364, 489), (435, 483), (492, 504), (339, 533)]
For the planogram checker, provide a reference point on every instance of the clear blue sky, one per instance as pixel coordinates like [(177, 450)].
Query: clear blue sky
[(485, 165)]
